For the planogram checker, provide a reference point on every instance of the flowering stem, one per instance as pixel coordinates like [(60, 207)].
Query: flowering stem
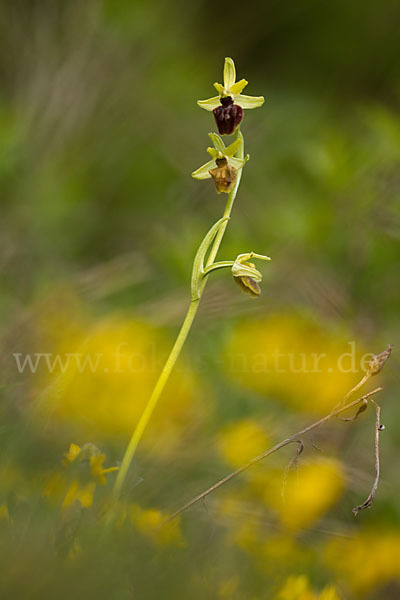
[(228, 207), (152, 402), (222, 264), (179, 342)]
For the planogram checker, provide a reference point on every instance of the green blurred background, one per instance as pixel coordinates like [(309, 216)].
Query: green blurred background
[(100, 220)]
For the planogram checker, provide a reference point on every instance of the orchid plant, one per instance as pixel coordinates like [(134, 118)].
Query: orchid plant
[(225, 168)]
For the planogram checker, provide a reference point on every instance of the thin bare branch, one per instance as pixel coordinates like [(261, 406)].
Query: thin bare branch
[(359, 385), (361, 409), (370, 499), (293, 438)]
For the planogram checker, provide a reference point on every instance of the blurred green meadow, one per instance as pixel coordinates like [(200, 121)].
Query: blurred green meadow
[(99, 223)]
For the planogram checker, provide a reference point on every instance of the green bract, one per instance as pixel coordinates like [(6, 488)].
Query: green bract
[(231, 89)]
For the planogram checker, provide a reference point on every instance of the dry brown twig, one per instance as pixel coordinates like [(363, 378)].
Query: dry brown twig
[(371, 496), (374, 367)]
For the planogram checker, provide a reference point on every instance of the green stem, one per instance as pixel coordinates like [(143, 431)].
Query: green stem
[(151, 404), (176, 350), (222, 264)]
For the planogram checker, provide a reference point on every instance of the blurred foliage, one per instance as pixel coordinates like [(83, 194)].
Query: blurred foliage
[(99, 223)]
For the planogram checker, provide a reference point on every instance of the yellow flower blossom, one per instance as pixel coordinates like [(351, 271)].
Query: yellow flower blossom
[(72, 453), (366, 562), (148, 522), (79, 487), (308, 493), (97, 470), (298, 588), (241, 441), (105, 396), (329, 593), (297, 360), (4, 514), (228, 587), (81, 493)]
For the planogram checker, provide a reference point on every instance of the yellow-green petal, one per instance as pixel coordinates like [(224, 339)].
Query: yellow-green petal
[(233, 148), (217, 142), (213, 152), (203, 171), (210, 103), (249, 101), (238, 163), (238, 87), (229, 73), (220, 88)]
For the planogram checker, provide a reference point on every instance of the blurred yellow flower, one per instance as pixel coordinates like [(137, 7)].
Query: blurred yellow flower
[(329, 593), (4, 514), (78, 486), (148, 522), (366, 562), (305, 364), (241, 441), (97, 469), (82, 493), (228, 587), (306, 495), (298, 588), (107, 375), (271, 552), (72, 453)]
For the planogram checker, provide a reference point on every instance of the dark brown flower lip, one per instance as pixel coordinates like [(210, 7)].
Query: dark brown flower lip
[(227, 101), (224, 175), (227, 116), (248, 285)]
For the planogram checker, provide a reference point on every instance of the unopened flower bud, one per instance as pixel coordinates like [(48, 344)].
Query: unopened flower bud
[(248, 284), (224, 175), (246, 275), (377, 362)]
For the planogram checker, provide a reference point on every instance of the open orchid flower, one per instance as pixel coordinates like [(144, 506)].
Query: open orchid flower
[(224, 165), (228, 106)]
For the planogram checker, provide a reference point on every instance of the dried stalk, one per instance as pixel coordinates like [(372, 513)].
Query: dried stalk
[(293, 438), (370, 499)]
